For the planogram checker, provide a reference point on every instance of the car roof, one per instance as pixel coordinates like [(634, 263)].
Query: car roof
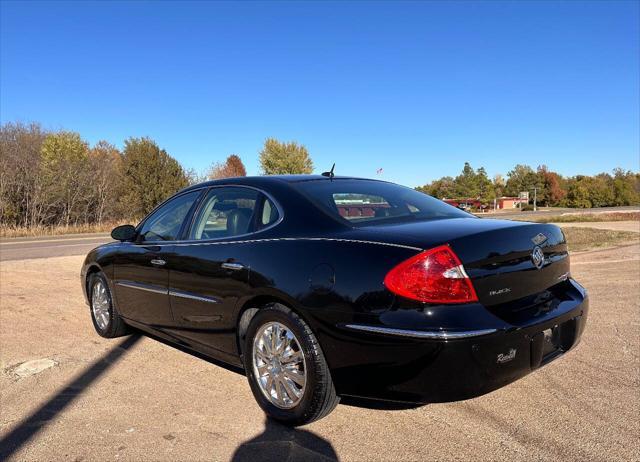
[(270, 179)]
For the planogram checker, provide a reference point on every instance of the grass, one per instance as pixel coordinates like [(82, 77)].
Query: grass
[(580, 239), (20, 231), (581, 217)]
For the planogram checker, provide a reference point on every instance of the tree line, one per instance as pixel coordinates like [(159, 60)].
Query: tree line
[(551, 189), (55, 178)]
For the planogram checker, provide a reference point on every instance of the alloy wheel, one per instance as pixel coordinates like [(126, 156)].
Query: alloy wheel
[(279, 365), (100, 304)]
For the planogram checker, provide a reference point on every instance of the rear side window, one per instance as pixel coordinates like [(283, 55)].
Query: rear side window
[(226, 212), (269, 213), (366, 202)]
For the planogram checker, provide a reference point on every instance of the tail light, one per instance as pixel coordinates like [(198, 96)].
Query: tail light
[(432, 276)]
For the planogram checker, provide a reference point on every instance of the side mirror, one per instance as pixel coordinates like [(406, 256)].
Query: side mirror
[(123, 233)]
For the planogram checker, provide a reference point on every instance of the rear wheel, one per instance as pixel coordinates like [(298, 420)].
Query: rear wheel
[(286, 368), (105, 317)]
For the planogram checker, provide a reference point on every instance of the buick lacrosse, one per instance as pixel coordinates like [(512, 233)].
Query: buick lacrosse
[(321, 287)]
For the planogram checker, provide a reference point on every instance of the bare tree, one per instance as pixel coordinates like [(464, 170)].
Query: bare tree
[(105, 171), (22, 200)]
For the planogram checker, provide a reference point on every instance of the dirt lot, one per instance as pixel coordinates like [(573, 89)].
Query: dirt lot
[(136, 398)]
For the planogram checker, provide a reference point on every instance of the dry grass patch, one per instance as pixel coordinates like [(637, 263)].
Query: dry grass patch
[(580, 217), (20, 231), (580, 239)]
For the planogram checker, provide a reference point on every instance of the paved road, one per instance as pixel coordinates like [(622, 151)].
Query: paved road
[(50, 246), (135, 398)]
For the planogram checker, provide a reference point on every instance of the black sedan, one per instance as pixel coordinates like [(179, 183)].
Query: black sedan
[(322, 287)]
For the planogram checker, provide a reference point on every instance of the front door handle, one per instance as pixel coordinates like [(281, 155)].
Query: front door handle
[(158, 262), (233, 266)]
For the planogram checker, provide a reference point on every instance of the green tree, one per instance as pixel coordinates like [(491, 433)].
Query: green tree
[(467, 183), (280, 158), (63, 165), (444, 188), (601, 190), (586, 191), (577, 194), (150, 175), (486, 190), (521, 178), (626, 187)]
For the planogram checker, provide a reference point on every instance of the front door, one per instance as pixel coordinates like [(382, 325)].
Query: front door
[(142, 267)]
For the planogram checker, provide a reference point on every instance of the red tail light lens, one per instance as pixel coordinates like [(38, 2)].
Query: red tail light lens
[(433, 276)]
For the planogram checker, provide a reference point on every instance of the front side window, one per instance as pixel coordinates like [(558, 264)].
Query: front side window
[(367, 202), (227, 212), (165, 223)]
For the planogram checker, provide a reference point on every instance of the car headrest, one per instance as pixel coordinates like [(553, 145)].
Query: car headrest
[(238, 221)]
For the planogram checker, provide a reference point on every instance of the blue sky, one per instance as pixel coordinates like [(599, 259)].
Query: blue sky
[(415, 88)]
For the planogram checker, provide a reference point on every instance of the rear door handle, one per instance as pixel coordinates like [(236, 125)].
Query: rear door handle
[(158, 262), (233, 266)]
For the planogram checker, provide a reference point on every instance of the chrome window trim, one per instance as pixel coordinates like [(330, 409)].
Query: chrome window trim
[(438, 335), (215, 240), (252, 241), (190, 296), (157, 207), (260, 191), (140, 286)]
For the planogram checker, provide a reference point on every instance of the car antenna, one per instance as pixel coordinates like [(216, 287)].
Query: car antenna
[(330, 173)]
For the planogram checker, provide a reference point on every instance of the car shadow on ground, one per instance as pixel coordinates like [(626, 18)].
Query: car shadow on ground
[(49, 410), (279, 442)]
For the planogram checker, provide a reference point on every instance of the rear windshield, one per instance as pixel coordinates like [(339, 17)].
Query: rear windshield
[(366, 202)]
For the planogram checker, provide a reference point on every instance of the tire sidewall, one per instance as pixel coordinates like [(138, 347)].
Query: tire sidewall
[(300, 411)]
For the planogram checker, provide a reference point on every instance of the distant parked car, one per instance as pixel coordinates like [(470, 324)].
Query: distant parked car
[(289, 277)]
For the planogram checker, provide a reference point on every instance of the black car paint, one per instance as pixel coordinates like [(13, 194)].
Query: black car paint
[(331, 274)]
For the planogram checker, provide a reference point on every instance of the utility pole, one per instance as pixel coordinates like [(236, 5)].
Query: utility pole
[(535, 199)]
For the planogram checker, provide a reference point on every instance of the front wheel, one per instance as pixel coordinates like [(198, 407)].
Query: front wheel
[(286, 368), (104, 315)]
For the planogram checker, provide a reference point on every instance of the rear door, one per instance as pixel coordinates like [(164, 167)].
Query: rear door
[(215, 263), (141, 267)]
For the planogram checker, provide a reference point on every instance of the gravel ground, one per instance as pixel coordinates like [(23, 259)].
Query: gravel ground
[(134, 398)]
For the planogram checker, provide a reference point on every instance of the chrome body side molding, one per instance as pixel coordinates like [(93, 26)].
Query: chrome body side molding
[(192, 296), (173, 293), (433, 334), (145, 287)]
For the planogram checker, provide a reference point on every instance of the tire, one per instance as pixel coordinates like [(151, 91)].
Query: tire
[(110, 324), (318, 397)]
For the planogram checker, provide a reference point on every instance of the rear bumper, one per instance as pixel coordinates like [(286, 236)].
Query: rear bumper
[(438, 366)]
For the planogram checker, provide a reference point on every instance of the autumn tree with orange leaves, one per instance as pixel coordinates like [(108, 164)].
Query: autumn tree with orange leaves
[(232, 167)]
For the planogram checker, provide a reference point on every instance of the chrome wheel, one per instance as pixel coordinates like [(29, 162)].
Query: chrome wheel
[(279, 365), (100, 304)]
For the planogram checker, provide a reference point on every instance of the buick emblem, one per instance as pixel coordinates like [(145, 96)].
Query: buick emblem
[(537, 257)]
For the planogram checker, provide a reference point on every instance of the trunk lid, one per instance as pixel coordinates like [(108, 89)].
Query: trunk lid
[(498, 255)]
